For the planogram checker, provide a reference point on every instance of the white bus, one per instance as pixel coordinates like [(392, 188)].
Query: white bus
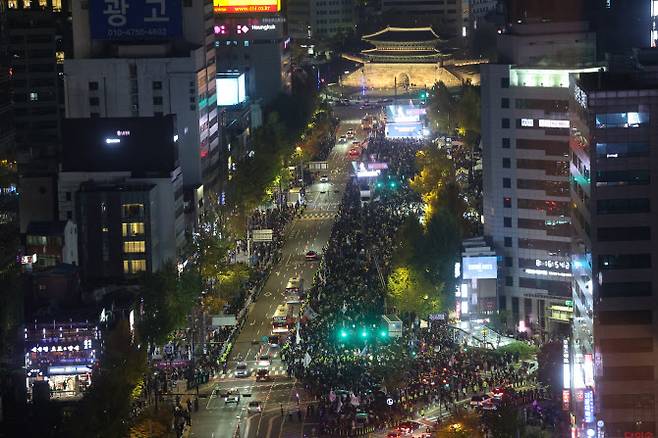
[(281, 319)]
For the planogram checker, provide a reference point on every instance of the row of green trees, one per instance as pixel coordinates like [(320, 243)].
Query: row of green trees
[(422, 279), (294, 129), (168, 296), (452, 111)]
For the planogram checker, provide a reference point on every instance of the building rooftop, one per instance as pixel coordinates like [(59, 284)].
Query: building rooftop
[(141, 145), (402, 35), (606, 81)]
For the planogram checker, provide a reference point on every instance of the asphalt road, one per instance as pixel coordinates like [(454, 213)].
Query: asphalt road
[(281, 398)]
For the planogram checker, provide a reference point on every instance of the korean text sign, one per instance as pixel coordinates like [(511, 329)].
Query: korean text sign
[(135, 20)]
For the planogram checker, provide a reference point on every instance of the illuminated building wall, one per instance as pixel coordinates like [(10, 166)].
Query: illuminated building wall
[(525, 137), (612, 167), (122, 185), (172, 71), (258, 47)]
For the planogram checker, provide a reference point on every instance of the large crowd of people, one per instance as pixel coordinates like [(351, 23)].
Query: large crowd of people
[(360, 377)]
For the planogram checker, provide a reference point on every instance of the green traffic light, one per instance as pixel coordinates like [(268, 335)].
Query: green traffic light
[(364, 334), (383, 334), (343, 334), (392, 184), (379, 185)]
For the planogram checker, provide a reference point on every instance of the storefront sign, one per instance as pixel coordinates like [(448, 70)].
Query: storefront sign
[(566, 400), (588, 406)]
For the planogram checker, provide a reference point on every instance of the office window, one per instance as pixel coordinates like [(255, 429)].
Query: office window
[(506, 143), (134, 266), (508, 242), (137, 246), (622, 150), (507, 202), (157, 100), (509, 262), (94, 101), (624, 261), (625, 289), (616, 234), (507, 183), (623, 206), (132, 210), (504, 102), (627, 373), (94, 115), (507, 163), (68, 196), (157, 85), (625, 317), (34, 96), (132, 229), (504, 82), (632, 119), (507, 222), (626, 345), (93, 86), (505, 123), (509, 281)]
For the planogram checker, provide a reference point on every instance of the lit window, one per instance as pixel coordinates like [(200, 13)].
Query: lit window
[(138, 246), (34, 96), (134, 266), (59, 57), (132, 210), (132, 229)]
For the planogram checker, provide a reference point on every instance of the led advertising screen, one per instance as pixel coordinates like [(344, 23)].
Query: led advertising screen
[(404, 130), (135, 20), (404, 113), (246, 6), (231, 89), (479, 267)]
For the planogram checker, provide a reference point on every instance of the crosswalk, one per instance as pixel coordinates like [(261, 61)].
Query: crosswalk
[(318, 215), (275, 370)]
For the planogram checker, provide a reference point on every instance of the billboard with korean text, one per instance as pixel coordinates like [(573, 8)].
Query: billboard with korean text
[(135, 20), (246, 6)]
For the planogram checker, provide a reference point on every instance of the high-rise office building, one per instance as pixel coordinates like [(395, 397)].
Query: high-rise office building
[(611, 383), (316, 20), (150, 59), (6, 120), (448, 17), (35, 85), (121, 183), (525, 141), (260, 48)]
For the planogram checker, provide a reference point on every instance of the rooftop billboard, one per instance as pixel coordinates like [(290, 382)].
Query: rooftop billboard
[(246, 6), (137, 20)]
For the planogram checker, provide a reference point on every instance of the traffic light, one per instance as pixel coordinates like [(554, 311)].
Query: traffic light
[(383, 334), (364, 334), (344, 334), (392, 184), (423, 95), (379, 184)]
